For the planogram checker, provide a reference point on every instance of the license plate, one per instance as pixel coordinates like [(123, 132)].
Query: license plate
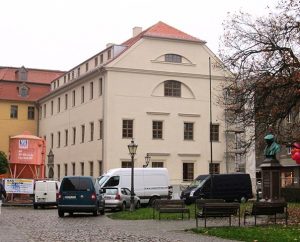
[(70, 197)]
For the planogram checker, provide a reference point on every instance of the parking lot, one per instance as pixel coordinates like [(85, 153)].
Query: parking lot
[(26, 224)]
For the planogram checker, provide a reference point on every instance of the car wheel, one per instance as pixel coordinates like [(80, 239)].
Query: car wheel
[(60, 213), (35, 206), (123, 207), (152, 201), (95, 213), (102, 211), (138, 205)]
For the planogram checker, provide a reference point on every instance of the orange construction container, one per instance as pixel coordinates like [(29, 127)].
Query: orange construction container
[(27, 156)]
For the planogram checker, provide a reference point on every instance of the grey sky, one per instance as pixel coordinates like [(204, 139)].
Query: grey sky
[(59, 34)]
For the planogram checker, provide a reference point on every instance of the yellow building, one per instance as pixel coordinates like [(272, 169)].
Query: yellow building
[(19, 90)]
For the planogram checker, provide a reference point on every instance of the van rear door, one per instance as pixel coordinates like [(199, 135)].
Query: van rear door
[(40, 192)]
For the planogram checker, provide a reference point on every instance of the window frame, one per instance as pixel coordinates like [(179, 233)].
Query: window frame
[(31, 113), (188, 134), (127, 128), (172, 88), (157, 129), (186, 174), (215, 134)]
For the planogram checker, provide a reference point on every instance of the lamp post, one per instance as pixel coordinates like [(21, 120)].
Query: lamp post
[(147, 160), (132, 151)]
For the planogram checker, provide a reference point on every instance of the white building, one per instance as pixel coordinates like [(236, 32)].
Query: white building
[(154, 87)]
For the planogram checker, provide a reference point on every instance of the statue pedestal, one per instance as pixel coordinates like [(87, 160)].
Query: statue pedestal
[(270, 170)]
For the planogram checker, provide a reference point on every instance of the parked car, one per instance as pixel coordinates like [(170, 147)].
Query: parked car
[(45, 193), (230, 187), (80, 194), (119, 198), (150, 183)]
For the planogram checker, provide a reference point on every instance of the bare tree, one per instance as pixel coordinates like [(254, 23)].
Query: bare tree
[(263, 55)]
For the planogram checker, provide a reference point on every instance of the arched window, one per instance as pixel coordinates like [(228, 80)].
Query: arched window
[(172, 88), (173, 58)]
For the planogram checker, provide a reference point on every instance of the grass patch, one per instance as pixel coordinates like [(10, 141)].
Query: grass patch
[(259, 233)]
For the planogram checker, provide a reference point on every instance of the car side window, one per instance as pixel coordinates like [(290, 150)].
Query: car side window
[(113, 181), (123, 191), (127, 191)]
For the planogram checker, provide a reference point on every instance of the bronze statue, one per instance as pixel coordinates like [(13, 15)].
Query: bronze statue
[(272, 147)]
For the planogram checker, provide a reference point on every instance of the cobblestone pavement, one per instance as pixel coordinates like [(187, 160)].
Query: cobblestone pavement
[(28, 225)]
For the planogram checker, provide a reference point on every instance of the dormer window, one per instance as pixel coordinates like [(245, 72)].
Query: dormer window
[(173, 58), (172, 88), (22, 74), (23, 91)]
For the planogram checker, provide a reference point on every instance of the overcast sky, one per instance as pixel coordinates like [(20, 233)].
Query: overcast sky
[(59, 34)]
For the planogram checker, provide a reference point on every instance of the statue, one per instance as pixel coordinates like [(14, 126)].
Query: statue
[(272, 148)]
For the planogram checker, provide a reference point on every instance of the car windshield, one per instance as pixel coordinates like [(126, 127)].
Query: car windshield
[(102, 179), (76, 184), (198, 182)]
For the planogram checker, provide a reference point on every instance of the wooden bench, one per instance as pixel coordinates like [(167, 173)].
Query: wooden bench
[(219, 210), (267, 208), (200, 202), (170, 206)]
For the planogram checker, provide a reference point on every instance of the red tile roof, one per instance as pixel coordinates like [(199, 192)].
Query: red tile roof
[(9, 91), (33, 75), (162, 30)]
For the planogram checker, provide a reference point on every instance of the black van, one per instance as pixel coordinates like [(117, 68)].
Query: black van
[(80, 194), (229, 187)]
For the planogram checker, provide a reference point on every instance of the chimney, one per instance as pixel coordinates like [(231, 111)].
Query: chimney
[(136, 31)]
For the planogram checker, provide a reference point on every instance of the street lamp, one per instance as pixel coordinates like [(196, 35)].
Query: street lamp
[(132, 151), (147, 160)]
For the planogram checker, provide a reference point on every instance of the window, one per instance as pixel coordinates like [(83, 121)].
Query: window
[(91, 168), (73, 169), (91, 131), (73, 74), (23, 91), (51, 139), (101, 58), (91, 90), (14, 111), (66, 137), (86, 66), (126, 164), (58, 105), (51, 107), (188, 171), (54, 84), (58, 139), (172, 88), (40, 112), (157, 164), (69, 76), (100, 86), (96, 60), (82, 168), (214, 168), (127, 130), (173, 58), (74, 136), (100, 129), (78, 71), (45, 110), (214, 133), (58, 172), (66, 101), (157, 129), (82, 133), (66, 169), (65, 79), (82, 94), (73, 98), (108, 54), (188, 131), (30, 113), (100, 164)]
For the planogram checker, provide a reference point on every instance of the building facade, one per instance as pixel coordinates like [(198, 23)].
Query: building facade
[(155, 88), (20, 88)]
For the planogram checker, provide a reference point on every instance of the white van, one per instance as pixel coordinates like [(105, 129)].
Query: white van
[(45, 193), (149, 183)]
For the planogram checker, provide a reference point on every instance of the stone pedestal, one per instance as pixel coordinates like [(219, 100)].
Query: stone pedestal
[(270, 171)]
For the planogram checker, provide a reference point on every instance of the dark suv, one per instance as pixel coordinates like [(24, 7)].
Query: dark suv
[(80, 194)]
